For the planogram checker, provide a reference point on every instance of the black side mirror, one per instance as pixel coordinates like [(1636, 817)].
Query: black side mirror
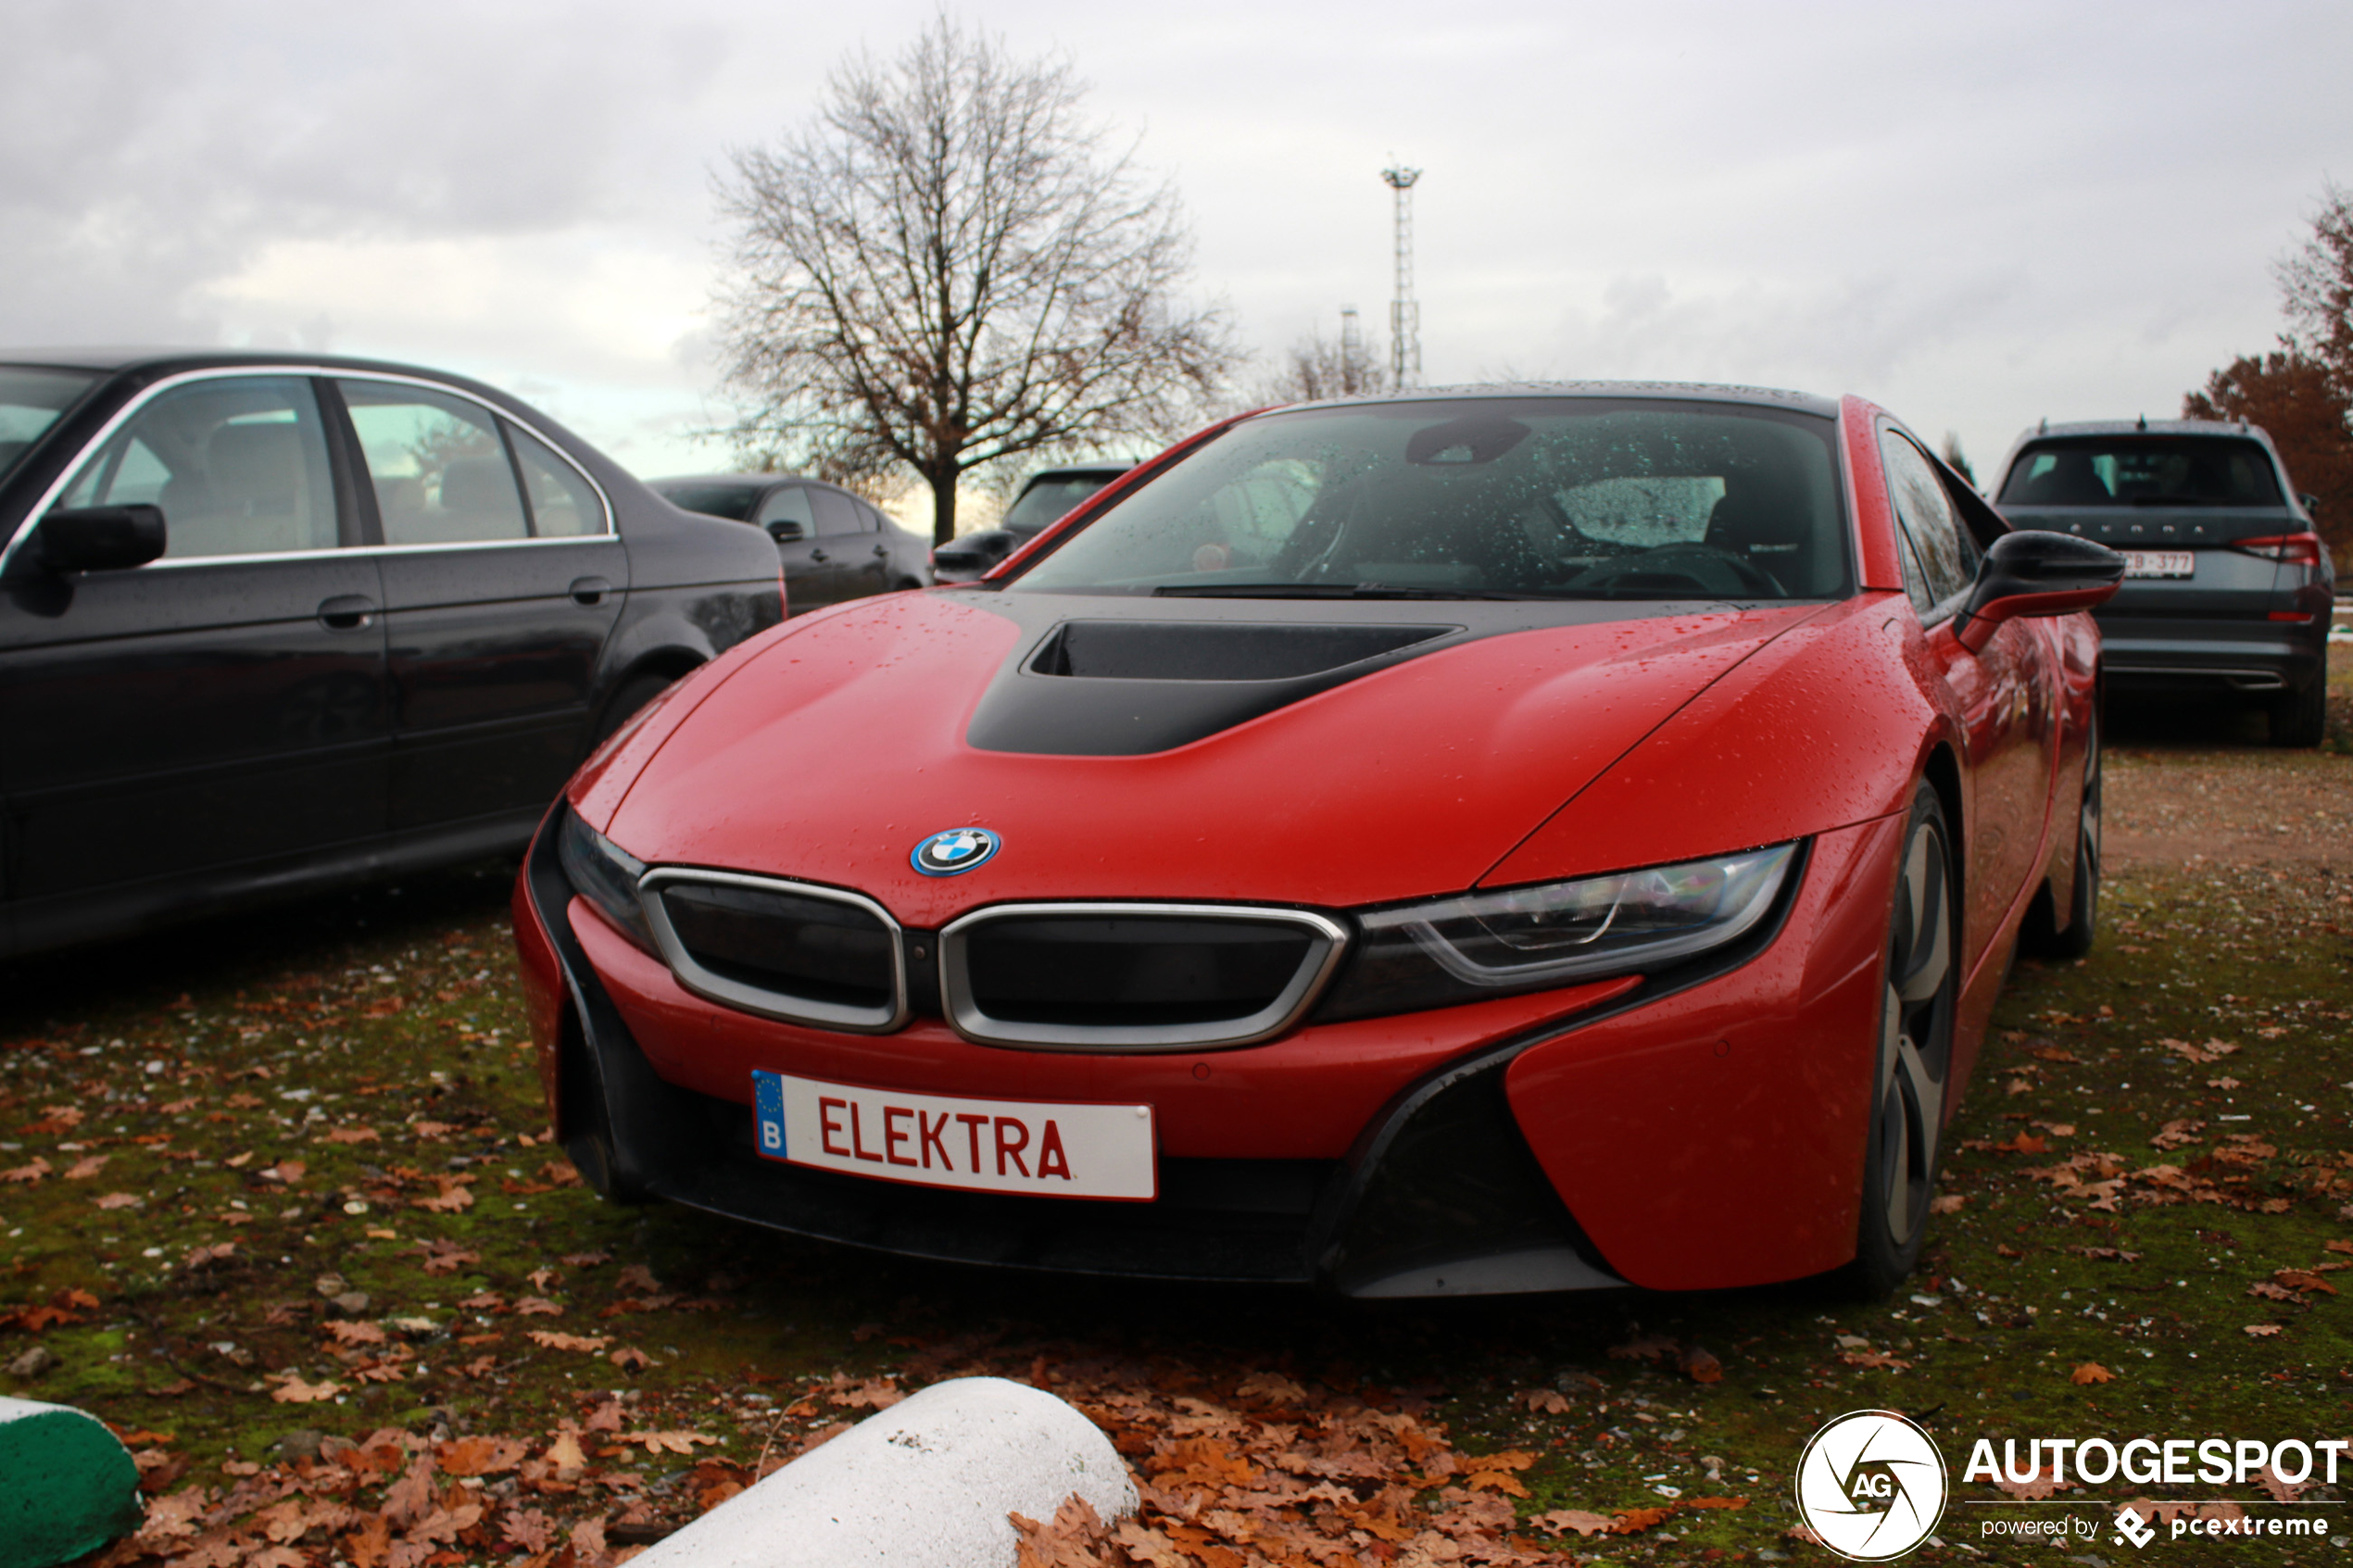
[(100, 538), (2033, 573), (2311, 502), (785, 532)]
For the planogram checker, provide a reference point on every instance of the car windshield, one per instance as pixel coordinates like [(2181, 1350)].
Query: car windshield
[(31, 401), (732, 502), (1047, 499), (1522, 497), (2145, 470)]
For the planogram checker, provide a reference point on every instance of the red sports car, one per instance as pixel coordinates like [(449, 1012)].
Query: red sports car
[(1499, 840)]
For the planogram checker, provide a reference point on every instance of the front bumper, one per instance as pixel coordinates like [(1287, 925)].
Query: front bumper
[(1686, 1130)]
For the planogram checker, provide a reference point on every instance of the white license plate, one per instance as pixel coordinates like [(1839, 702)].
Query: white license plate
[(2159, 563), (1044, 1150)]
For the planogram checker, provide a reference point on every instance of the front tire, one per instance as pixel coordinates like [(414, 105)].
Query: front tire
[(1913, 1065)]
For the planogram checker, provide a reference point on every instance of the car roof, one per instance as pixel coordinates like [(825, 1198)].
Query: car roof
[(1076, 470), (1706, 391), (2234, 428), (750, 481), (167, 359)]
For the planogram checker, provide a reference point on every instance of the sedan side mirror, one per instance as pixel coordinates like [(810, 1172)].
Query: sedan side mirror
[(2032, 572), (2311, 502), (785, 531), (100, 538)]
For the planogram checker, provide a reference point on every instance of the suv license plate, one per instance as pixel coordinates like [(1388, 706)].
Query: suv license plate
[(2159, 563), (1040, 1149)]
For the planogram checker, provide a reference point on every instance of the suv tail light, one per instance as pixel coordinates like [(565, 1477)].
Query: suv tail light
[(2295, 549)]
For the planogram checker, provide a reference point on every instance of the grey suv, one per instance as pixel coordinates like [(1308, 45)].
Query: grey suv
[(2228, 588)]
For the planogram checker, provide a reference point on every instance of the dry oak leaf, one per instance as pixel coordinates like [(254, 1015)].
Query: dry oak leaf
[(1577, 1519), (1701, 1366), (356, 1332), (2281, 1491), (28, 1173), (526, 1529), (295, 1391), (2091, 1372), (668, 1442), (1542, 1401), (2299, 1279), (1634, 1521), (590, 1342), (1644, 1347), (351, 1134), (454, 1196), (116, 1199), (538, 1306), (286, 1170), (630, 1359), (2262, 1330), (565, 1453), (83, 1169), (1948, 1203), (479, 1456), (446, 1257), (636, 1276), (584, 1260)]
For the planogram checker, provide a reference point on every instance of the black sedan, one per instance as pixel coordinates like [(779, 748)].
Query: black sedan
[(835, 546), (272, 622), (1046, 497)]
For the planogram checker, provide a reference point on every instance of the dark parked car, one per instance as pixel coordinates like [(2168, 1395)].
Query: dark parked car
[(2229, 588), (1046, 497), (833, 546), (269, 622)]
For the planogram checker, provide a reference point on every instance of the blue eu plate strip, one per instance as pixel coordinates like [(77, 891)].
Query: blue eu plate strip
[(768, 1109)]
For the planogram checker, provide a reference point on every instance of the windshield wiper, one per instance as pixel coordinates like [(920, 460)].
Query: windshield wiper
[(1327, 590)]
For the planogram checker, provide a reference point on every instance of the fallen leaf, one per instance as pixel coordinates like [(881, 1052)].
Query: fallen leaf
[(27, 1173), (1577, 1519), (352, 1135), (567, 1341), (295, 1391), (1542, 1401), (88, 1166), (668, 1442), (1948, 1203), (1699, 1366), (2262, 1330), (116, 1199), (2091, 1372), (630, 1359)]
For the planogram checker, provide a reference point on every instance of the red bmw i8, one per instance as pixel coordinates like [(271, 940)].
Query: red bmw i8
[(1508, 839)]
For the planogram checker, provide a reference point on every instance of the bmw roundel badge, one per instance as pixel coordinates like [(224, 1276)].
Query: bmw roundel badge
[(956, 851)]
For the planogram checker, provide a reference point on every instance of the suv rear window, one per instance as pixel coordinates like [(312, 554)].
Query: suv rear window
[(2142, 471)]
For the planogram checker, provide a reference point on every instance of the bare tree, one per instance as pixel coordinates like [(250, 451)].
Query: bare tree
[(2316, 283), (946, 270), (1315, 367)]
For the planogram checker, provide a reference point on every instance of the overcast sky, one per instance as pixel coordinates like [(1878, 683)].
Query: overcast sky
[(1977, 214)]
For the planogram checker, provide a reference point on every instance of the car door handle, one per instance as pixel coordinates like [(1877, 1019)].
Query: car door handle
[(347, 612), (881, 550), (589, 590), (819, 555)]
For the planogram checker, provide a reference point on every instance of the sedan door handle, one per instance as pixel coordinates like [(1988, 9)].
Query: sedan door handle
[(881, 550), (589, 590), (819, 555), (347, 612)]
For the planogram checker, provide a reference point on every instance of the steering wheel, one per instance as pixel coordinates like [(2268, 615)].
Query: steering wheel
[(1666, 561)]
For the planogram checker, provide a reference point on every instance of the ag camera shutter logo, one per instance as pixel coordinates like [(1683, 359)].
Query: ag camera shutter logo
[(1871, 1485)]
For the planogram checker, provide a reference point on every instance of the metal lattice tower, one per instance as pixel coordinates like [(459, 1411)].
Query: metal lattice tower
[(1404, 311)]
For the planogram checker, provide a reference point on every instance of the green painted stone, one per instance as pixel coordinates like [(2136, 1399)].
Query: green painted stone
[(66, 1487)]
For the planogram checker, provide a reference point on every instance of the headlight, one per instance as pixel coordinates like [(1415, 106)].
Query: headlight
[(1462, 949), (604, 875)]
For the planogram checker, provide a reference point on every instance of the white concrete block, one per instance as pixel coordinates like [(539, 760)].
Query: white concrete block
[(928, 1482)]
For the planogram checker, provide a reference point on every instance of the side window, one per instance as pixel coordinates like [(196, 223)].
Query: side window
[(1944, 555), (563, 504), (789, 504), (440, 471), (837, 513), (239, 466)]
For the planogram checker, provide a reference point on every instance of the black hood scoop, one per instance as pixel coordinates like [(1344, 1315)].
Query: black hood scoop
[(1215, 650), (1127, 688)]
